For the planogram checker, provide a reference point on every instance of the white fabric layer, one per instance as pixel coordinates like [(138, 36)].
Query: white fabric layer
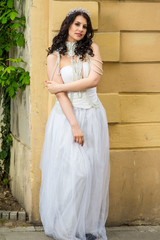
[(74, 193)]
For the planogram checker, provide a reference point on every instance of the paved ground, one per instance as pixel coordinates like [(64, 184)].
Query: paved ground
[(113, 233)]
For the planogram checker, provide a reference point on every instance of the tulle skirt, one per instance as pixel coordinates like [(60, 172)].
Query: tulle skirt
[(74, 193)]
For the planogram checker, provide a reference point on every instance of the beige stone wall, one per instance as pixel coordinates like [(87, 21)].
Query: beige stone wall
[(39, 95), (130, 92), (127, 33)]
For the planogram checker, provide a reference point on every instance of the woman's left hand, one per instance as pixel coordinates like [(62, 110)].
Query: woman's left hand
[(53, 87)]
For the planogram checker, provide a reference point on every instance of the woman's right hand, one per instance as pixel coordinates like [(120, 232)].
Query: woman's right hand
[(78, 135)]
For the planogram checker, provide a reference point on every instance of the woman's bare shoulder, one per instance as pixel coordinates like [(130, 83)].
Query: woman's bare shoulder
[(52, 57), (96, 50), (95, 47)]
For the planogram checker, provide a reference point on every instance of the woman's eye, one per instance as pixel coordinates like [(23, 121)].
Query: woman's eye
[(77, 24)]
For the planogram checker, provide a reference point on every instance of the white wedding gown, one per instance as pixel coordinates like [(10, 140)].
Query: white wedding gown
[(74, 194)]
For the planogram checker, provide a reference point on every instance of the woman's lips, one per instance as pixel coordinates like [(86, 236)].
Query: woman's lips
[(79, 34)]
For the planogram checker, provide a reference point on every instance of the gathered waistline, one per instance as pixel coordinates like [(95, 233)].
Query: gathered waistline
[(58, 109)]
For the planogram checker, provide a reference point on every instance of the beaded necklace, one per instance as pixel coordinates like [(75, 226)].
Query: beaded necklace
[(77, 65)]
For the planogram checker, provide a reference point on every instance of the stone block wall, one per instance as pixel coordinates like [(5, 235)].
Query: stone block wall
[(130, 91), (127, 33)]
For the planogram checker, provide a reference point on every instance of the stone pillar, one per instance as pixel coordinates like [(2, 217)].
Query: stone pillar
[(29, 110), (20, 166)]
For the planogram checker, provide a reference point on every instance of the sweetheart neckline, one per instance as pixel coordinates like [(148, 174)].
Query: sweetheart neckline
[(70, 66)]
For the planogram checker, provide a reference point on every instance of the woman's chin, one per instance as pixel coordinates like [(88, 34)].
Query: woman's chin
[(78, 38)]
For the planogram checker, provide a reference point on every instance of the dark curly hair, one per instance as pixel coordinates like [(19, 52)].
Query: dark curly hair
[(83, 46)]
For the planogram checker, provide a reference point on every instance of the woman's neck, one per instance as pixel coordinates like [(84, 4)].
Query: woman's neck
[(71, 48)]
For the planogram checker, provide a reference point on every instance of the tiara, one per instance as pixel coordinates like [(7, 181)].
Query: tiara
[(78, 10)]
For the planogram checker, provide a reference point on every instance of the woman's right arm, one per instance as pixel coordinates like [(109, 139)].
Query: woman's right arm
[(64, 101)]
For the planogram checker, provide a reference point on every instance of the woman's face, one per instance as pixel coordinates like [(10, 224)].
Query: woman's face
[(78, 29)]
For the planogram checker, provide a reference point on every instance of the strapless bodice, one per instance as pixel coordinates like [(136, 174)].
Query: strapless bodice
[(83, 99)]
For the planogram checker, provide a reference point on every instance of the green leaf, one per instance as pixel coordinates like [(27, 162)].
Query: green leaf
[(22, 19), (1, 68), (13, 15), (7, 48), (9, 139), (8, 70), (15, 60), (12, 68), (20, 41), (8, 82), (4, 14), (20, 69), (11, 91), (17, 35), (4, 20), (16, 25), (3, 154), (26, 79), (10, 3), (5, 181), (2, 4), (2, 84), (22, 77), (1, 52), (14, 84)]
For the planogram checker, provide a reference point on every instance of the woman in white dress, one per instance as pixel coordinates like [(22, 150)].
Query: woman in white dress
[(75, 165)]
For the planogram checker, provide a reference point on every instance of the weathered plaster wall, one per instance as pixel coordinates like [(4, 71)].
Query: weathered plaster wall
[(1, 162), (0, 112), (20, 124)]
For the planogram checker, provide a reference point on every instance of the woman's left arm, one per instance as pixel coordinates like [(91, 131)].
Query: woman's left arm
[(91, 81)]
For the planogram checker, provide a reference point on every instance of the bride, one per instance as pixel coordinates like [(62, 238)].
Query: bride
[(75, 165)]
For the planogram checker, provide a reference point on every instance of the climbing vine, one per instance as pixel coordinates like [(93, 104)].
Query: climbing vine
[(12, 76)]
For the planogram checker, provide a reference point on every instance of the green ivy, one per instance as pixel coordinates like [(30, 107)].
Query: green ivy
[(12, 76)]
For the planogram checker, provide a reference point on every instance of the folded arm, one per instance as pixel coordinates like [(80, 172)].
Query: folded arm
[(64, 101), (91, 81)]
